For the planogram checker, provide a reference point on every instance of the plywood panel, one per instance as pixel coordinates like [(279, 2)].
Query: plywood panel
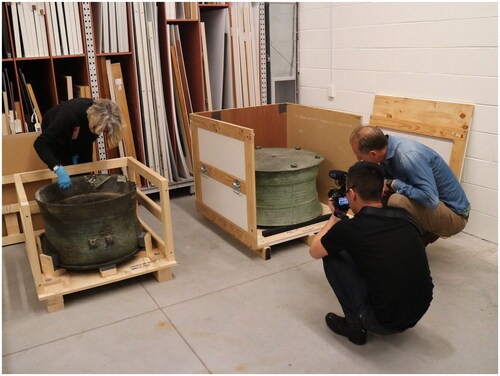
[(325, 132), (442, 120), (268, 122)]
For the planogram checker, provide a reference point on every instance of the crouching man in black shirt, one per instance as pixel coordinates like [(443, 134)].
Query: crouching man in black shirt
[(375, 262)]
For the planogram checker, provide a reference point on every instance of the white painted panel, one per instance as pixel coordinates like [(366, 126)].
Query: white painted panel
[(441, 146), (225, 153), (222, 199)]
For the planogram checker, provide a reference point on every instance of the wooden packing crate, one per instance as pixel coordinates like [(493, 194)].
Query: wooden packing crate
[(158, 256), (223, 153)]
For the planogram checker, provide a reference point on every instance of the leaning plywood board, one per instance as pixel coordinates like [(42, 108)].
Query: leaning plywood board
[(157, 258), (440, 120), (325, 132)]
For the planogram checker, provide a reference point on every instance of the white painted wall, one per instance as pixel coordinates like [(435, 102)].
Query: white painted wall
[(437, 51)]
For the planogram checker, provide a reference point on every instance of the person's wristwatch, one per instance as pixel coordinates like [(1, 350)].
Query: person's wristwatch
[(56, 167), (388, 183)]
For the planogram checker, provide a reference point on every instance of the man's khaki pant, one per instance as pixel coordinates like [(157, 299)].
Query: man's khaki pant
[(441, 221)]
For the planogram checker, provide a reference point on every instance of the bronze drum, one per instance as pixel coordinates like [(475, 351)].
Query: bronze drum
[(285, 182), (92, 224)]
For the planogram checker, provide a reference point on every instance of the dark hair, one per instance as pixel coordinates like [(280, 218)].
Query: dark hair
[(369, 138), (367, 179)]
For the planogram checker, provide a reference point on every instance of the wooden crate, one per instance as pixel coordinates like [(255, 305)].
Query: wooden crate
[(224, 166), (158, 256)]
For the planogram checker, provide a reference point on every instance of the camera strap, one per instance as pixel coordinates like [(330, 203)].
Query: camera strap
[(392, 213)]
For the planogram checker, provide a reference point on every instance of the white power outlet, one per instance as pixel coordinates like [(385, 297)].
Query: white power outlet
[(331, 91)]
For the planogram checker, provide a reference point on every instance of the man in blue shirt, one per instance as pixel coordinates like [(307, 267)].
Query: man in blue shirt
[(420, 180)]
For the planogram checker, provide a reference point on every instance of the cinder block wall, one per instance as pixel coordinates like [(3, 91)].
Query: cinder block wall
[(437, 51)]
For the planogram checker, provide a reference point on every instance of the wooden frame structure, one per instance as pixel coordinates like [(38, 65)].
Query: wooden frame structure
[(157, 257), (224, 166), (442, 120)]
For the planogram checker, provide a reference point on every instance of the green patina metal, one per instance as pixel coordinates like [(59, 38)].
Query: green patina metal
[(286, 186), (92, 224)]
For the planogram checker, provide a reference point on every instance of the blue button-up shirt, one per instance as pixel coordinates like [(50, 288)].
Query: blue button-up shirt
[(422, 175)]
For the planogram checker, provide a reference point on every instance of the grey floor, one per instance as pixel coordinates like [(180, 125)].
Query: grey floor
[(228, 311)]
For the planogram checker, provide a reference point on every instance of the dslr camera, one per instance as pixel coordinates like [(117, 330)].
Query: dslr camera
[(338, 194)]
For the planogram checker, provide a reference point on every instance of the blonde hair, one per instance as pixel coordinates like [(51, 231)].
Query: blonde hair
[(106, 117)]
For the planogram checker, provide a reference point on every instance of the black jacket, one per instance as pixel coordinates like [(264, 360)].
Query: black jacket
[(65, 133)]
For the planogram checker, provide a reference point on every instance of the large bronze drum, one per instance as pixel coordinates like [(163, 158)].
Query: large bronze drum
[(92, 224), (285, 182)]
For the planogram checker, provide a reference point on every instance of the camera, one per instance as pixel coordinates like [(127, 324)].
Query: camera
[(338, 194)]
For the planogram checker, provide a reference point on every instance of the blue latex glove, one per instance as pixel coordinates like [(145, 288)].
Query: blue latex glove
[(74, 159), (63, 178)]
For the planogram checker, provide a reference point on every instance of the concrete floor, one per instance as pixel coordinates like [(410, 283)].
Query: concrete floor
[(229, 311)]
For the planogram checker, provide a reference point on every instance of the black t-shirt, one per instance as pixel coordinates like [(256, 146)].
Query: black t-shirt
[(65, 133), (391, 259)]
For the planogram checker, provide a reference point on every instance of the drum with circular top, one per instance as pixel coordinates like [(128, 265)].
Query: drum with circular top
[(285, 182), (93, 223)]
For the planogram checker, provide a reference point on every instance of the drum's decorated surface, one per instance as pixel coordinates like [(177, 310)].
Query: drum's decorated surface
[(93, 223), (286, 186)]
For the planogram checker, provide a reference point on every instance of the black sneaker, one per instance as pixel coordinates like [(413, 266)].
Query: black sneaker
[(353, 331)]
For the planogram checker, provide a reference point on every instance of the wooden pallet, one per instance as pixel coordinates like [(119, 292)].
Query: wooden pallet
[(157, 257)]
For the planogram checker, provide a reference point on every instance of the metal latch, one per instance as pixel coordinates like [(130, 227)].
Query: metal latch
[(204, 170), (236, 186)]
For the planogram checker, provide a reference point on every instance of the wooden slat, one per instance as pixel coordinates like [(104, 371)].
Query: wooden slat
[(28, 232), (146, 172), (12, 224), (433, 130), (19, 238), (250, 191), (149, 204), (121, 100), (455, 115), (14, 208), (221, 127), (224, 177)]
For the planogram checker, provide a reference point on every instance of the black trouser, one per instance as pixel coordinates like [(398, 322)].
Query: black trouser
[(351, 291)]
